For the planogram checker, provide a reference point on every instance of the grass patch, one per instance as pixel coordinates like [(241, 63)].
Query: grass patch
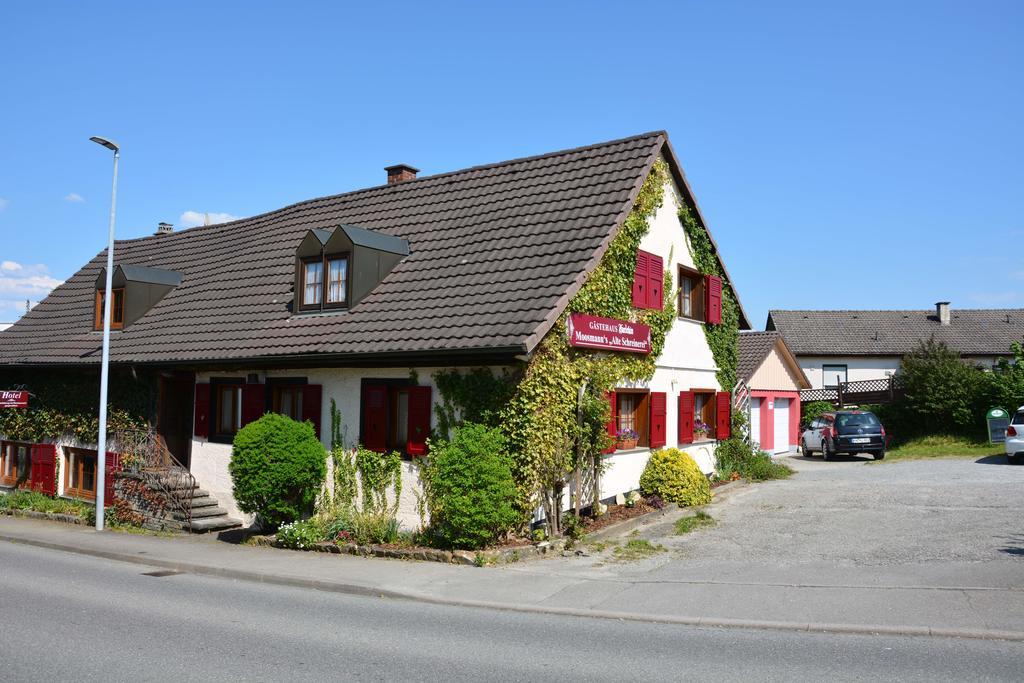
[(637, 549), (600, 546), (941, 447), (685, 525)]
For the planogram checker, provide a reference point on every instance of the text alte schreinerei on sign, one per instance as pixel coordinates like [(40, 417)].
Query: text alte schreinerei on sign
[(609, 334)]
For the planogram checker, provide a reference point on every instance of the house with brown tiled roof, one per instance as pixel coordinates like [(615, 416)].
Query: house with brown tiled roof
[(850, 346), (359, 299)]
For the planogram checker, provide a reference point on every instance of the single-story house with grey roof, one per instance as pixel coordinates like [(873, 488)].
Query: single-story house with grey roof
[(849, 346), (348, 298)]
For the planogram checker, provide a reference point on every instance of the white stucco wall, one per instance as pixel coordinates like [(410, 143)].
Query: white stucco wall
[(210, 460), (857, 367), (685, 363)]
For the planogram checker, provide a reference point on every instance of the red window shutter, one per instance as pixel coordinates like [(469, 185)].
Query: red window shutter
[(375, 417), (713, 287), (640, 279), (685, 417), (312, 402), (723, 415), (112, 466), (611, 426), (655, 280), (254, 402), (419, 420), (201, 426), (657, 419), (43, 476)]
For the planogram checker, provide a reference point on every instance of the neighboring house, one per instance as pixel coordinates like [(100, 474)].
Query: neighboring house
[(847, 346), (775, 379), (360, 298)]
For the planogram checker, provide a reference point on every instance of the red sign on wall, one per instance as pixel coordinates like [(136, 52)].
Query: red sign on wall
[(13, 399), (609, 334)]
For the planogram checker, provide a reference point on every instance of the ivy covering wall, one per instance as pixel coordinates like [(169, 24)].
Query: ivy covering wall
[(539, 406), (724, 338), (66, 403)]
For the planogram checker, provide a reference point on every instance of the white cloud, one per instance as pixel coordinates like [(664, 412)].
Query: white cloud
[(19, 283), (191, 219), (4, 203), (74, 197)]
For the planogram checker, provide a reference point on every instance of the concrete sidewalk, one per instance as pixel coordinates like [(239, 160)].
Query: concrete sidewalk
[(633, 592)]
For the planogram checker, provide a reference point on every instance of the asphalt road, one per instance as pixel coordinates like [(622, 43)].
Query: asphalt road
[(71, 617)]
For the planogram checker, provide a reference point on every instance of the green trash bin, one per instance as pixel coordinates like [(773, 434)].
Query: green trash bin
[(998, 420)]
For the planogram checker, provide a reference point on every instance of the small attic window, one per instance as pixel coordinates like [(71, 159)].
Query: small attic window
[(116, 309), (336, 268), (135, 290), (324, 282)]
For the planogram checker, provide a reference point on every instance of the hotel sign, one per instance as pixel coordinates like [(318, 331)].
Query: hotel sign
[(609, 334), (13, 399)]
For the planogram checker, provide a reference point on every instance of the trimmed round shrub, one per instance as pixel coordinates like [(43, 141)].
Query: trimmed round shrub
[(277, 468), (673, 475), (470, 490)]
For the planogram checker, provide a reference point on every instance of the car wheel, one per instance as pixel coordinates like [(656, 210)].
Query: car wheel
[(879, 455), (826, 454), (805, 451)]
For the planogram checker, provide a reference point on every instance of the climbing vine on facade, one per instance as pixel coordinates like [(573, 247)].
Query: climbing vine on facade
[(723, 339), (541, 419), (65, 403)]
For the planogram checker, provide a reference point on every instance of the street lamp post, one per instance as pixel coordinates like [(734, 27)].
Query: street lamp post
[(101, 454)]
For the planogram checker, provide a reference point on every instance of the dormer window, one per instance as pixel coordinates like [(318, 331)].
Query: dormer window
[(116, 309), (337, 268), (135, 289), (330, 291)]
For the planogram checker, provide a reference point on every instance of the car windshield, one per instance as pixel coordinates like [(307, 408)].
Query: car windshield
[(857, 420), (1018, 418)]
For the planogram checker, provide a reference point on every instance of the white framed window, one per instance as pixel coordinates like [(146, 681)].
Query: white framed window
[(832, 375)]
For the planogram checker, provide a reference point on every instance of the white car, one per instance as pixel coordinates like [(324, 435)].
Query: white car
[(1015, 437)]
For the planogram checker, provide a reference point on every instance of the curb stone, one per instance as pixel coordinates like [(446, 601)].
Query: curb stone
[(370, 591)]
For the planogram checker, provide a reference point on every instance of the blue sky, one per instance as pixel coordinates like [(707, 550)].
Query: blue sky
[(866, 155)]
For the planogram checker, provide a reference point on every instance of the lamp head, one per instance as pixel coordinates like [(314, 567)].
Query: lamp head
[(109, 144)]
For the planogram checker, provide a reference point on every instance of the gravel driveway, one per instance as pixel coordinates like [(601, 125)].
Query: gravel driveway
[(939, 521)]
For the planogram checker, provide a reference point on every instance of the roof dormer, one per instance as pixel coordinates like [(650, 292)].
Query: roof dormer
[(336, 268), (135, 290)]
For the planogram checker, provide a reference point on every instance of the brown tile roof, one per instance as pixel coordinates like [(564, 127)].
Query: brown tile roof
[(754, 347), (496, 251), (970, 331)]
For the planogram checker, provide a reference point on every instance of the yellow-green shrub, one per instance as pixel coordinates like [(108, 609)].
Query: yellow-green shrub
[(673, 475)]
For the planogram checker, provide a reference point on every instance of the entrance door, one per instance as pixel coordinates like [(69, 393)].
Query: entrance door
[(781, 424), (174, 414), (755, 422)]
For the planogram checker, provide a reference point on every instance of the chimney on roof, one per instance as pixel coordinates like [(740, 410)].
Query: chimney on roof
[(164, 229), (942, 312), (400, 173)]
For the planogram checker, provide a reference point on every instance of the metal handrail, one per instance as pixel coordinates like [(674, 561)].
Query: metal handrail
[(146, 455)]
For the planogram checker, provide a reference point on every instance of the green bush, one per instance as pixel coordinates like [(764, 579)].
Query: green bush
[(941, 392), (673, 475), (300, 535), (735, 456), (277, 468), (761, 467), (469, 488), (40, 502), (813, 410)]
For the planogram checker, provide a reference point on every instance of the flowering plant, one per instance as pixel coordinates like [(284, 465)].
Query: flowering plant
[(701, 428), (627, 434)]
